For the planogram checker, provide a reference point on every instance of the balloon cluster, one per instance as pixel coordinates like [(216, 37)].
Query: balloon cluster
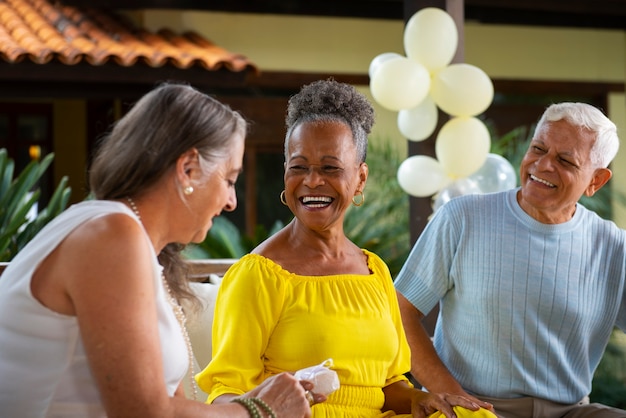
[(416, 85)]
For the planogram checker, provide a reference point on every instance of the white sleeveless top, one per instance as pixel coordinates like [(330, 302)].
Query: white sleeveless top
[(43, 366)]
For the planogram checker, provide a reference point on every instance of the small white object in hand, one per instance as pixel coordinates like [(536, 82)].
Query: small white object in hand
[(325, 381)]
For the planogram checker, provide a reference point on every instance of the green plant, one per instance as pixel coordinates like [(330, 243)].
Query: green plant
[(17, 197), (380, 225), (225, 240), (609, 383)]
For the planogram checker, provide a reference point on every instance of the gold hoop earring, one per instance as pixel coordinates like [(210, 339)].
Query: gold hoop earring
[(357, 202), (282, 198), (188, 190)]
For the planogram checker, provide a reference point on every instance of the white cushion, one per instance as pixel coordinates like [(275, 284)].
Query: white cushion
[(199, 324)]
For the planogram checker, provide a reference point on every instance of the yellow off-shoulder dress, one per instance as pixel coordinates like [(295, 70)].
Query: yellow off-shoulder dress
[(268, 320)]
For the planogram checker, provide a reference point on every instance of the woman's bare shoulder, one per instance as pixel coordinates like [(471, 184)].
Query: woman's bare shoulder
[(274, 245)]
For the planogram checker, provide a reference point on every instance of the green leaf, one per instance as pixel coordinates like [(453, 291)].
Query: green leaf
[(223, 240), (17, 197), (380, 225)]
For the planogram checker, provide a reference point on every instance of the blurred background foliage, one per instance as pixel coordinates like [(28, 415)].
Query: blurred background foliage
[(609, 382), (20, 217)]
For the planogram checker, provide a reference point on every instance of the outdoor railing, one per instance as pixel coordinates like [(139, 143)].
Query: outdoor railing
[(199, 270)]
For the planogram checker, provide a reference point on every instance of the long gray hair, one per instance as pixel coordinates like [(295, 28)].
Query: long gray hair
[(144, 144)]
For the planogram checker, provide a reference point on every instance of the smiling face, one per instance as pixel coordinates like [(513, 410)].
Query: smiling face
[(557, 170), (322, 173)]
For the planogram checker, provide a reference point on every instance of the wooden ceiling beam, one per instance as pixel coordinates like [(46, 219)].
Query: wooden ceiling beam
[(47, 78), (600, 7), (609, 14)]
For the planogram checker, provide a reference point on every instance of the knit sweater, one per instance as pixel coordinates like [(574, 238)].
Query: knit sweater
[(527, 308)]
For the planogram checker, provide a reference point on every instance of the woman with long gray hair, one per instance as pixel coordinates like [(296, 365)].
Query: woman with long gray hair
[(90, 320)]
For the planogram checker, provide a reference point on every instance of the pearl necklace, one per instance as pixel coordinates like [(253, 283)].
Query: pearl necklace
[(179, 313)]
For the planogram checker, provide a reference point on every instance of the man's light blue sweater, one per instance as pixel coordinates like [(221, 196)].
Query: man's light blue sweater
[(527, 308)]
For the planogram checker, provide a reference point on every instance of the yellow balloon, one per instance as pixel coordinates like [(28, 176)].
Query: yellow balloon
[(419, 123), (462, 146), (400, 83), (431, 38), (462, 90), (421, 176), (379, 59)]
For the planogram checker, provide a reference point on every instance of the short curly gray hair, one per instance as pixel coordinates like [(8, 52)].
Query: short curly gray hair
[(330, 100)]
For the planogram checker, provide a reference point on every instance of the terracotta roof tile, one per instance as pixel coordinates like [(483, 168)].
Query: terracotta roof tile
[(42, 31)]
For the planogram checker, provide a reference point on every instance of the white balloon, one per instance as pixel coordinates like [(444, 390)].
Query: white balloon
[(431, 38), (421, 176), (462, 90), (379, 59), (400, 83), (496, 174), (457, 188), (462, 146), (420, 122)]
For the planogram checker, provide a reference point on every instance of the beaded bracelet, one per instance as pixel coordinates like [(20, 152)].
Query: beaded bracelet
[(264, 407), (250, 406)]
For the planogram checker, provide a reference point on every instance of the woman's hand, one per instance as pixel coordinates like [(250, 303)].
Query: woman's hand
[(286, 395)]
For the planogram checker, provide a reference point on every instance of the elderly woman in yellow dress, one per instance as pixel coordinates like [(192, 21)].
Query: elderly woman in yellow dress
[(308, 293)]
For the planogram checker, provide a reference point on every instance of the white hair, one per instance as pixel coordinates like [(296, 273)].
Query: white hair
[(589, 117)]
